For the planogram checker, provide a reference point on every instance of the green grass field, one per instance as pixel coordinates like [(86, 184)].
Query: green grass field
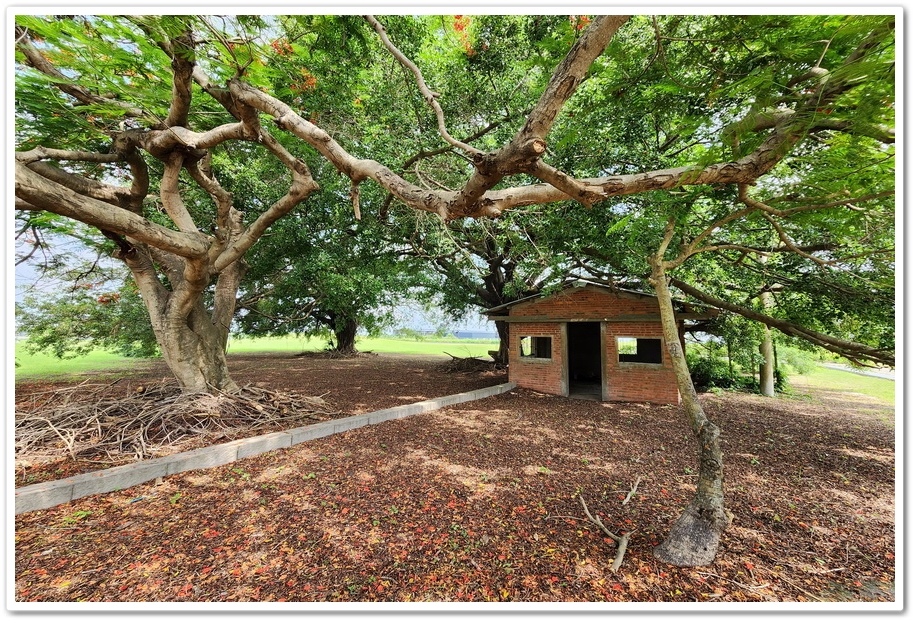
[(40, 365), (428, 346), (883, 390)]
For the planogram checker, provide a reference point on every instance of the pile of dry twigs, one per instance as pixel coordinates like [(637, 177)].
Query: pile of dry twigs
[(89, 420), (468, 364), (330, 353)]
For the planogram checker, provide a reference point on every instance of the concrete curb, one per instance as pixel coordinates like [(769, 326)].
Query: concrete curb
[(48, 494)]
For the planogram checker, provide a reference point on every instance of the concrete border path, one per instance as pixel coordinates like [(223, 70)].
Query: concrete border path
[(47, 494)]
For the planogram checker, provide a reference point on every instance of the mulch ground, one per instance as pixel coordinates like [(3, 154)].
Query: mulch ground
[(480, 502)]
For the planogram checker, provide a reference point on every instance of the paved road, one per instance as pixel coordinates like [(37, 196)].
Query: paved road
[(883, 373)]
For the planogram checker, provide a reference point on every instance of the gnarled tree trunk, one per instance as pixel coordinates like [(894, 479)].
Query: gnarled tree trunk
[(193, 341), (196, 356), (345, 336), (694, 538)]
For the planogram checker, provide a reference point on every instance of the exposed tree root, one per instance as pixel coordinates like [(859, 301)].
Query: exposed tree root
[(86, 423), (694, 537)]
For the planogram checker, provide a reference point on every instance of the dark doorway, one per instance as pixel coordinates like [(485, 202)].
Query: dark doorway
[(584, 358)]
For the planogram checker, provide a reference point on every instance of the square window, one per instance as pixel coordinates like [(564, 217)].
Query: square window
[(639, 350), (536, 347)]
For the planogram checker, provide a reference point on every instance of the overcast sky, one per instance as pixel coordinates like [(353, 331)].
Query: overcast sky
[(30, 281)]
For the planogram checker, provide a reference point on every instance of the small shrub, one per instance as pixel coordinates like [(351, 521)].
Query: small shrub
[(708, 373), (780, 381), (803, 362), (406, 333)]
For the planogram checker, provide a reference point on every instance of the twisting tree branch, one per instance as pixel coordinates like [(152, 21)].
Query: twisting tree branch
[(428, 95), (35, 59), (182, 68), (42, 193), (790, 244), (854, 351), (528, 146), (848, 202)]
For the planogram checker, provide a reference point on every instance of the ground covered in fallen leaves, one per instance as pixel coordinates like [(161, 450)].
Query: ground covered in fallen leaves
[(480, 502)]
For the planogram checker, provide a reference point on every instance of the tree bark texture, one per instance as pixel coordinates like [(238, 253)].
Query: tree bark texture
[(345, 336), (694, 538), (196, 356), (768, 366), (193, 342)]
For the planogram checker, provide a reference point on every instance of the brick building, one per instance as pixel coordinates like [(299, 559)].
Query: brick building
[(592, 341)]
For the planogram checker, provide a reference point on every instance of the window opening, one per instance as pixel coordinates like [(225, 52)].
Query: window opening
[(639, 350), (536, 347)]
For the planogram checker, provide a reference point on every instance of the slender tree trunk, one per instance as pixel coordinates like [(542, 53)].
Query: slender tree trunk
[(694, 537), (345, 337), (768, 367)]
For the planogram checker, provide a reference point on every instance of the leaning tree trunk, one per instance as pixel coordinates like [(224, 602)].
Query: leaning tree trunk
[(694, 537), (345, 336)]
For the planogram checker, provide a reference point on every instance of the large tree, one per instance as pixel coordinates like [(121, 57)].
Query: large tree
[(482, 264), (321, 273), (144, 111)]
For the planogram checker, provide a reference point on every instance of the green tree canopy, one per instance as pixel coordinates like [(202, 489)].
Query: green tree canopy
[(320, 272), (722, 154)]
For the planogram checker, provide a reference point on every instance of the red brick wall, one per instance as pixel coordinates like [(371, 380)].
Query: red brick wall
[(627, 382), (538, 374), (587, 304), (639, 382)]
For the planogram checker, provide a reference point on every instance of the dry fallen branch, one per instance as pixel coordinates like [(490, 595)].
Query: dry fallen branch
[(85, 422), (632, 491), (621, 541)]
